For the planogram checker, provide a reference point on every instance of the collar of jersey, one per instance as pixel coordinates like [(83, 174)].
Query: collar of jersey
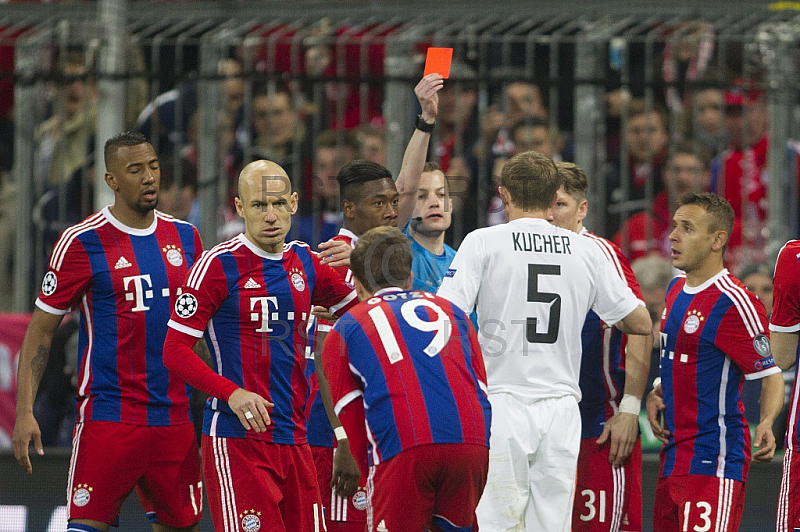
[(706, 284), (126, 229), (350, 234), (257, 250), (387, 290)]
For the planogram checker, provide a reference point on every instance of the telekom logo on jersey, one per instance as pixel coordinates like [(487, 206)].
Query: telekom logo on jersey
[(261, 311), (138, 288)]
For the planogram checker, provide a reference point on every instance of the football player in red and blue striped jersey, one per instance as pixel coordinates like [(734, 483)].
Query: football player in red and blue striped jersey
[(713, 336), (784, 327), (123, 267), (251, 297), (413, 360)]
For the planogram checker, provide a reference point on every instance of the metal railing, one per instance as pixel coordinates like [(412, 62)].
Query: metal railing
[(588, 64)]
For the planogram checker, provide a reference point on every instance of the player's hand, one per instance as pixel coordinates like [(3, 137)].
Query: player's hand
[(321, 313), (26, 429), (251, 409), (621, 431), (427, 91), (655, 406), (765, 443), (345, 470), (335, 253)]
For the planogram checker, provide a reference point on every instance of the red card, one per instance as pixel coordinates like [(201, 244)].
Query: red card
[(438, 61)]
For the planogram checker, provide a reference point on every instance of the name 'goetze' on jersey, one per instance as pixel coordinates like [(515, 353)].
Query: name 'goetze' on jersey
[(126, 281), (711, 336)]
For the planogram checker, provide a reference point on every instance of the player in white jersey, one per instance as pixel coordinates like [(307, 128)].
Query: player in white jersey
[(533, 284)]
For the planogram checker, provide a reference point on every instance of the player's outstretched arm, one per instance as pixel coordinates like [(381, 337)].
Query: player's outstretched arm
[(33, 357), (772, 396), (427, 91), (784, 348), (622, 429), (655, 406)]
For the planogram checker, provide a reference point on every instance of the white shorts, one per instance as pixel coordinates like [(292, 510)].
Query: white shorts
[(533, 459)]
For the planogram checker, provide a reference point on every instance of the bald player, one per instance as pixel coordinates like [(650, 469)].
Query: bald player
[(251, 297)]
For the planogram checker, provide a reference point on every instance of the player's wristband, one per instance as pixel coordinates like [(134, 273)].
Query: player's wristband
[(630, 404), (656, 382), (340, 433)]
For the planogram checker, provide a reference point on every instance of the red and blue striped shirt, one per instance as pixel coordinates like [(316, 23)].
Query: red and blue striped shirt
[(125, 282), (415, 359), (713, 336), (253, 308)]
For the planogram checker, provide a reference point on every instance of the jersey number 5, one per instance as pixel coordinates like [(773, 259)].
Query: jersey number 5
[(554, 300)]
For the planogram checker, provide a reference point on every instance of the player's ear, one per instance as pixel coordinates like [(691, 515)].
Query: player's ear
[(720, 240), (111, 181), (239, 206), (583, 208), (409, 281), (293, 203), (504, 195), (348, 209)]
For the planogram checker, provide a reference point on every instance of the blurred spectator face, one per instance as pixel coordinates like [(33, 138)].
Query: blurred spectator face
[(566, 212), (685, 173), (177, 201), (234, 93), (709, 110), (274, 119), (760, 285), (455, 108), (645, 136), (373, 147), (524, 100), (535, 138), (329, 162), (746, 125), (433, 204), (77, 91)]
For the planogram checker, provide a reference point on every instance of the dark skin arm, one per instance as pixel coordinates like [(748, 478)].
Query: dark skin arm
[(33, 357)]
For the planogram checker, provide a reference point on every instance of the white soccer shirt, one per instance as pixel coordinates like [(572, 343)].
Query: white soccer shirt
[(533, 284)]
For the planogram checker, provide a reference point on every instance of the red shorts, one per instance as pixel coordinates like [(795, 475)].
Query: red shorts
[(421, 487), (255, 485), (110, 459), (698, 502), (607, 497), (353, 509), (788, 518)]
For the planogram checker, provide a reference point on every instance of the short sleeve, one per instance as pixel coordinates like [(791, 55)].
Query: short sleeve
[(68, 276), (614, 299), (204, 290), (463, 279), (786, 292), (741, 335)]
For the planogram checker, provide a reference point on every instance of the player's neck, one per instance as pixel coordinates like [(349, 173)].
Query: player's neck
[(704, 272), (431, 242), (132, 218), (515, 213)]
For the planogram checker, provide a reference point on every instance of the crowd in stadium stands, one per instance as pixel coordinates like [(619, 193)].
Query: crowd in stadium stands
[(693, 133)]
